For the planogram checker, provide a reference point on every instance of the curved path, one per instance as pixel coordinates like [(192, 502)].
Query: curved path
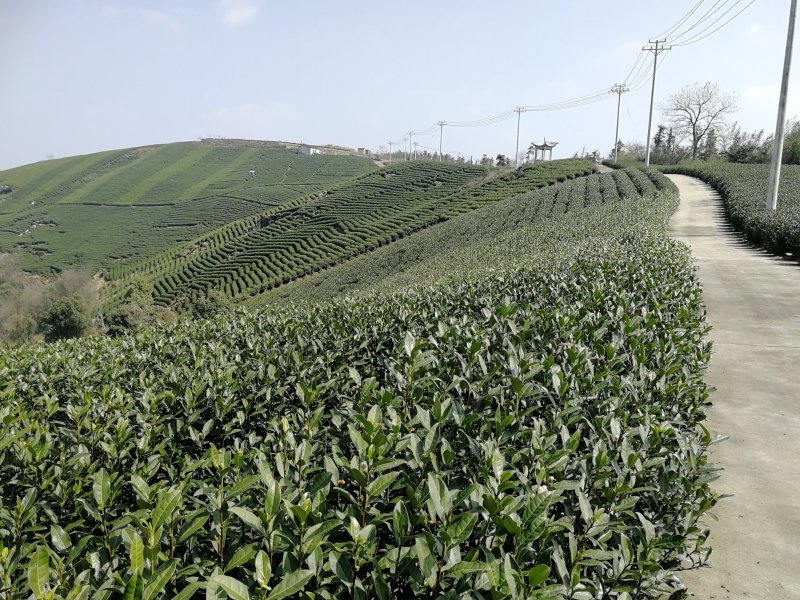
[(753, 303)]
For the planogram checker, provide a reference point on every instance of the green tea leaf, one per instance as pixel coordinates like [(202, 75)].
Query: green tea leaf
[(101, 488), (263, 569), (234, 588), (159, 579), (425, 558), (440, 496), (248, 518), (460, 529), (243, 555), (341, 568), (378, 485), (134, 588), (380, 586), (538, 575), (188, 592), (290, 584), (137, 553), (168, 501), (409, 343), (59, 538), (39, 572)]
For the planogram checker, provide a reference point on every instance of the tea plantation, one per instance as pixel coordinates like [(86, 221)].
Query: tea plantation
[(533, 226), (107, 209), (743, 188), (276, 247), (511, 407)]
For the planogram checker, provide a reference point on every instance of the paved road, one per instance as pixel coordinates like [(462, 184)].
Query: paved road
[(753, 303)]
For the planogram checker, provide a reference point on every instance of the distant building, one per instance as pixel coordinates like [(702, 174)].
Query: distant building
[(303, 149), (365, 151)]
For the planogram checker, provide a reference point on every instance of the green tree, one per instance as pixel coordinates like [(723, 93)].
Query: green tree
[(710, 150), (66, 318), (660, 138), (126, 318), (211, 305), (696, 109)]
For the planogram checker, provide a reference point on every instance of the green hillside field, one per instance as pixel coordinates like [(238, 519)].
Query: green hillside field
[(544, 218), (105, 210), (511, 405), (270, 249)]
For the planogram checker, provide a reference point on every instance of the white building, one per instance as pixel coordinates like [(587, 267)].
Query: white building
[(303, 149)]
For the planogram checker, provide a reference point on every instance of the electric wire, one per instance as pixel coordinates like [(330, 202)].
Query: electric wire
[(498, 118), (717, 6), (645, 81), (714, 8), (637, 78), (685, 17), (642, 53), (633, 81), (696, 39)]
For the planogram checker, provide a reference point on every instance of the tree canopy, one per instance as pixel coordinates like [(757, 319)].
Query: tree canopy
[(698, 108)]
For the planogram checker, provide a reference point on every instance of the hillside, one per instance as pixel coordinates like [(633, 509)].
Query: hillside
[(526, 423), (108, 209), (273, 248), (536, 220)]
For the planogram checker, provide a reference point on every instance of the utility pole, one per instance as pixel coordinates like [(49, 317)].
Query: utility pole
[(653, 47), (777, 144), (410, 136), (405, 149), (390, 152), (441, 130), (415, 150), (519, 111), (619, 89)]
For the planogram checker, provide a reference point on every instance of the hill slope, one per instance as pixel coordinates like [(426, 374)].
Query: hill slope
[(107, 209), (536, 220), (275, 247)]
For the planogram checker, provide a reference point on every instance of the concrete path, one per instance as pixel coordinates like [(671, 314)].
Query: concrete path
[(753, 302)]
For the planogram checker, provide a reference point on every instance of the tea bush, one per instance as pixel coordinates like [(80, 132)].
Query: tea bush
[(530, 432)]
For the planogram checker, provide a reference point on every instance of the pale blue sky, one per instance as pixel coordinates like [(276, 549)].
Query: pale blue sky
[(89, 75)]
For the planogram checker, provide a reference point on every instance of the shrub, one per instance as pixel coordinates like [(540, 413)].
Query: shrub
[(66, 318)]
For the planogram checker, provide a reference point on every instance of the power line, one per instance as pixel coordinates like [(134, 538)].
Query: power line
[(640, 73), (644, 80), (498, 118), (719, 4), (637, 63), (696, 39), (685, 17), (636, 79)]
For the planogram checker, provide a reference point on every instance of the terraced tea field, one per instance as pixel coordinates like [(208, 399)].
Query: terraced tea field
[(109, 209), (273, 248), (512, 231)]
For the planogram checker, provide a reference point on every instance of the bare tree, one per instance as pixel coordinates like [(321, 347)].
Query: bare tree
[(698, 108)]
